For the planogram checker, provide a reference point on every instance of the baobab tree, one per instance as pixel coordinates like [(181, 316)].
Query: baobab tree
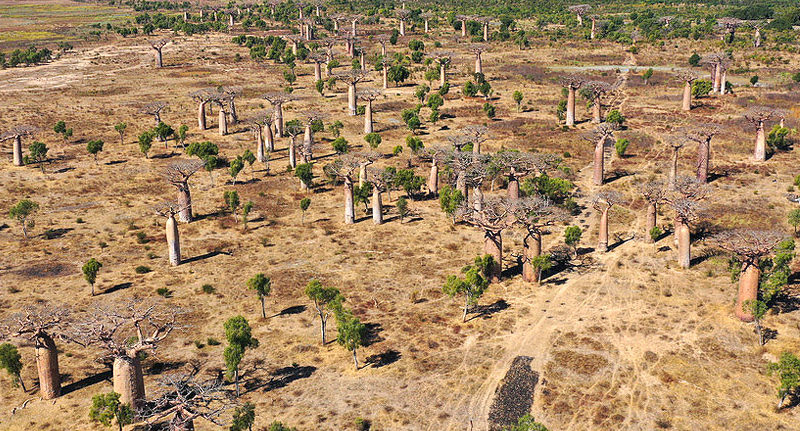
[(368, 95), (716, 62), (492, 217), (318, 58), (579, 10), (344, 168), (403, 15), (383, 39), (336, 17), (757, 26), (154, 109), (572, 83), (750, 245), (476, 135), (758, 115), (596, 90), (278, 99), (221, 100), (229, 94), (592, 33), (349, 43), (444, 59), (730, 25), (158, 45), (603, 202), (42, 324), (685, 201), (185, 399), (516, 164), (202, 97), (124, 331), (178, 174), (702, 134), (16, 133), (687, 77), (310, 117), (654, 193), (485, 22), (463, 20), (352, 77), (478, 50), (437, 155), (169, 209), (353, 21), (534, 214), (293, 128), (675, 143), (261, 124), (384, 62), (426, 17), (470, 170), (600, 137), (381, 181)]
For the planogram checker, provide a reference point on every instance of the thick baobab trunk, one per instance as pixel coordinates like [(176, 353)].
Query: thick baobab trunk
[(234, 115), (433, 179), (673, 169), (493, 245), (351, 99), (532, 249), (513, 187), (426, 26), (596, 117), (173, 242), (292, 153), (223, 122), (599, 160), (279, 120), (185, 16), (571, 106), (47, 366), (317, 71), (385, 71), (760, 153), (129, 381), (260, 153), (442, 75), (159, 62), (461, 185), (757, 39), (703, 156), (748, 290), (651, 220), (354, 29), (717, 78), (486, 32), (478, 64), (368, 118), (687, 96), (362, 60), (362, 175), (477, 199), (580, 20), (185, 202), (402, 28), (201, 116), (270, 138), (602, 236), (377, 206), (723, 81), (17, 151), (349, 209), (684, 243), (308, 144), (463, 28), (594, 27)]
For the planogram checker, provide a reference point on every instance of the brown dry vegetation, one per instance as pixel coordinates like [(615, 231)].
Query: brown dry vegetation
[(624, 341)]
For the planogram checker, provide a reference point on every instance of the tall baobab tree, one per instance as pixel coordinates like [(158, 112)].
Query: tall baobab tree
[(596, 90), (368, 95), (186, 399), (344, 168), (702, 134), (42, 324), (476, 135), (534, 214), (516, 164), (403, 15), (310, 117), (485, 22), (593, 31), (718, 63), (758, 115), (463, 20), (427, 16), (124, 331), (685, 201), (437, 155), (579, 10), (154, 109), (261, 125), (675, 144), (730, 25), (294, 41), (169, 209), (384, 62), (381, 181), (478, 50), (202, 97), (293, 129), (723, 66), (178, 174), (353, 21), (158, 45), (308, 29), (443, 58), (750, 245), (470, 170), (336, 18), (318, 58), (352, 77), (600, 138), (654, 193), (757, 26), (492, 217), (221, 100), (383, 39), (572, 83), (603, 202), (687, 77), (278, 99), (229, 94), (16, 133)]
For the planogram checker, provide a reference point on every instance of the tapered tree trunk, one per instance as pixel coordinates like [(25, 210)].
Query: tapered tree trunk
[(185, 202), (279, 120), (385, 71), (486, 32), (351, 99), (354, 29), (757, 39), (349, 209), (717, 78), (377, 206), (18, 151), (292, 153), (223, 122), (703, 161), (760, 153), (129, 381), (513, 187), (571, 106), (596, 117), (602, 236), (684, 243), (594, 27), (355, 359), (461, 185), (201, 116), (673, 168), (433, 179), (402, 28), (426, 26), (159, 62), (478, 64), (493, 245), (230, 20), (317, 71), (362, 60), (723, 81), (599, 161), (580, 20), (748, 290), (308, 144), (368, 118), (477, 200), (260, 150), (173, 242), (532, 249), (651, 219), (47, 366), (270, 138), (687, 97), (442, 75), (234, 115), (463, 28)]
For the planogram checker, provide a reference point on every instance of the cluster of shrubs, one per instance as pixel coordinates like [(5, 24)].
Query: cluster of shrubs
[(28, 56)]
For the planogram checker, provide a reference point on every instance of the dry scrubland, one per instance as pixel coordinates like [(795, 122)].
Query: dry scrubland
[(625, 340)]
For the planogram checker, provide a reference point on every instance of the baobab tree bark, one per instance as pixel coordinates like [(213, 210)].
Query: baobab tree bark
[(18, 151), (173, 241), (478, 63), (602, 236), (377, 205), (308, 143), (748, 289), (385, 71), (349, 209), (651, 219), (402, 27), (760, 153), (493, 245), (683, 237), (571, 89), (687, 96), (433, 178), (317, 71), (703, 156), (599, 161), (129, 380), (185, 202), (513, 185), (292, 153), (532, 248), (442, 75), (201, 115), (351, 99), (223, 122), (368, 117), (596, 117), (47, 366)]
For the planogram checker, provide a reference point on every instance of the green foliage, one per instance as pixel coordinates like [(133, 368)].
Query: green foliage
[(94, 147), (23, 212), (320, 87), (340, 145), (402, 208), (517, 96), (304, 172), (754, 80), (409, 182), (489, 109), (435, 101), (231, 199), (553, 188), (37, 154), (373, 139), (526, 423), (351, 332), (335, 128), (788, 371), (421, 91), (444, 89), (701, 88), (90, 270), (615, 117), (778, 138), (414, 144), (11, 360), (146, 142), (107, 407), (141, 269), (163, 131), (450, 199), (262, 285), (542, 263), (397, 150), (239, 336), (208, 289), (181, 134), (164, 292), (472, 285), (655, 233), (279, 426), (243, 417), (470, 89), (361, 194), (776, 272), (794, 219), (416, 45), (397, 73), (235, 167), (647, 75), (326, 300), (572, 237), (621, 146), (694, 60), (561, 110)]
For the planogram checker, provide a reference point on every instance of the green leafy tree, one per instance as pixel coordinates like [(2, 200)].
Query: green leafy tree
[(279, 426), (373, 139), (435, 101), (231, 199), (794, 219), (244, 417), (758, 309), (335, 128), (450, 199), (408, 181), (778, 138), (572, 237), (647, 75), (694, 60), (542, 263), (262, 285), (304, 172), (788, 371), (526, 423), (431, 75), (120, 128), (304, 204), (361, 194), (38, 154), (754, 80), (246, 208), (164, 132), (11, 361), (421, 91), (472, 286), (235, 167), (517, 96), (655, 233), (107, 407), (701, 88), (181, 135), (23, 213), (397, 74), (340, 145), (615, 117), (402, 208), (90, 270), (621, 146), (490, 110), (326, 300), (470, 89), (320, 86), (61, 128), (240, 338), (351, 333), (146, 142), (414, 144), (94, 147)]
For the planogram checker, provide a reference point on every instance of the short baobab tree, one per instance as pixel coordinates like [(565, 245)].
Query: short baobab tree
[(158, 45), (685, 201), (154, 109), (572, 84), (403, 15), (42, 324), (492, 217), (687, 77), (183, 398), (463, 20), (124, 331), (426, 17), (476, 135), (485, 23), (602, 202), (169, 209), (437, 155), (202, 97), (220, 99), (310, 117), (730, 25), (758, 115), (278, 99), (516, 164), (750, 245), (352, 77), (293, 40), (600, 137), (381, 181), (757, 26), (718, 63), (293, 128), (344, 168), (702, 134), (178, 174), (318, 58), (383, 39), (478, 50), (596, 90), (16, 133), (654, 193), (261, 126), (444, 59), (534, 214), (368, 95), (580, 10)]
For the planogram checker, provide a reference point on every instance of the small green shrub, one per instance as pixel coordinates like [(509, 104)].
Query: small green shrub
[(141, 269), (207, 288)]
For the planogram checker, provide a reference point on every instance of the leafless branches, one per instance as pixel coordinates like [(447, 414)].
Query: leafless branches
[(654, 192), (154, 109), (186, 398), (369, 94), (35, 320), (158, 44), (686, 76), (750, 244), (494, 214), (572, 81), (178, 173), (168, 209), (760, 114), (20, 130), (606, 199), (352, 76)]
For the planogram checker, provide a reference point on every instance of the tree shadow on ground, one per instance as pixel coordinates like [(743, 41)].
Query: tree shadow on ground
[(85, 382), (617, 174), (296, 309), (619, 242), (372, 334), (487, 311), (383, 359), (117, 287), (116, 162), (282, 377), (56, 233), (208, 255), (159, 367)]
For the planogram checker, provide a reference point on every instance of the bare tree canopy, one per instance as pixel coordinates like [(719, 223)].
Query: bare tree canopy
[(20, 130), (159, 43), (369, 94), (749, 244), (186, 398), (177, 173), (572, 81), (352, 76), (168, 208), (607, 199), (34, 320)]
